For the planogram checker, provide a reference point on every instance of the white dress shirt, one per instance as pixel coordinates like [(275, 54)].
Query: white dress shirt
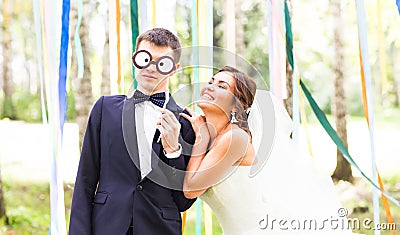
[(147, 115)]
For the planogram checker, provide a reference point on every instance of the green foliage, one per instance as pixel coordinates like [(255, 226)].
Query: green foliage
[(255, 33), (354, 104), (28, 207), (71, 112), (8, 110), (26, 106), (392, 185)]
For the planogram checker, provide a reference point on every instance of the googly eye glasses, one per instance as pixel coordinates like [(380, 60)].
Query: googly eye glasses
[(142, 59)]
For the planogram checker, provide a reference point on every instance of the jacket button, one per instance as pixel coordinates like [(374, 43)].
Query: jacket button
[(139, 187)]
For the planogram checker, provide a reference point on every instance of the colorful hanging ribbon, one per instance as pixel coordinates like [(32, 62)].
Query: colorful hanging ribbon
[(277, 48), (118, 23), (368, 102), (367, 95), (135, 31), (154, 13), (62, 90), (112, 24), (38, 29), (335, 138), (57, 207), (205, 40), (398, 5), (305, 122), (195, 43), (385, 203), (289, 37), (295, 76), (184, 214), (333, 134)]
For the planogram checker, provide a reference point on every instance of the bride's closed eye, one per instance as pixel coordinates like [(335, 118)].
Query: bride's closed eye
[(219, 86)]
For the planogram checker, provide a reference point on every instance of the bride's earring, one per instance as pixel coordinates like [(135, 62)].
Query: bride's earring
[(233, 117)]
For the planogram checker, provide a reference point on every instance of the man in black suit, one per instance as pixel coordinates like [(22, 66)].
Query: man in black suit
[(130, 176)]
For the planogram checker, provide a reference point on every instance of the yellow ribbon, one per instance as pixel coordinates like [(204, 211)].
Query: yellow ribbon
[(118, 19), (304, 119), (154, 13)]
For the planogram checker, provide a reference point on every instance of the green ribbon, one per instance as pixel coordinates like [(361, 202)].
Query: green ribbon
[(135, 32), (335, 138), (289, 37), (320, 114)]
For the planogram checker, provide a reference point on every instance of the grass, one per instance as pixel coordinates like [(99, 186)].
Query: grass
[(28, 208), (362, 209), (28, 203)]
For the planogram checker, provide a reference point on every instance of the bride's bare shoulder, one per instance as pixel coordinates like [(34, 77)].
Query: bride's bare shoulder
[(236, 136)]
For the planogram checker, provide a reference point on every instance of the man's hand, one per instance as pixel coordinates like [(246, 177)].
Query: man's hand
[(169, 128)]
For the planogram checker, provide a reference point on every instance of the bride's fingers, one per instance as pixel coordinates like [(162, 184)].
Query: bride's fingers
[(189, 118), (190, 111)]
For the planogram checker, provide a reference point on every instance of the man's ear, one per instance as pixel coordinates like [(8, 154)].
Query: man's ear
[(177, 66)]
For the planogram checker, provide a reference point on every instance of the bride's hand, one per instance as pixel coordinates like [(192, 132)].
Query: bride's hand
[(198, 124)]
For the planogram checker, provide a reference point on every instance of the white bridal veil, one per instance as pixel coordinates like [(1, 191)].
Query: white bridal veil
[(298, 196)]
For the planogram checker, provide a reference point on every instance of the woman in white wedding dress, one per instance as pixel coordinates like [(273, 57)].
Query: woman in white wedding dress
[(274, 190)]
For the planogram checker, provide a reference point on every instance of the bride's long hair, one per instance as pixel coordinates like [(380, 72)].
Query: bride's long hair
[(244, 93)]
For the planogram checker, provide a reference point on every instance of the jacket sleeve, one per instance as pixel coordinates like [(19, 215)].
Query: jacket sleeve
[(87, 175), (187, 141)]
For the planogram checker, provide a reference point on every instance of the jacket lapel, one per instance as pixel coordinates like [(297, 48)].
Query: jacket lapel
[(129, 132), (173, 107), (130, 137)]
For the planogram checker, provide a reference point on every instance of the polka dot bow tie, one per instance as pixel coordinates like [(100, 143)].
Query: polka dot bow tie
[(157, 99)]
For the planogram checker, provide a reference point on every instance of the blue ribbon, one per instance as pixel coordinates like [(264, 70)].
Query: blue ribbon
[(62, 91), (398, 5)]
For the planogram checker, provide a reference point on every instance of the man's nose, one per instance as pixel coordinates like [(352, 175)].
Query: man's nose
[(152, 67)]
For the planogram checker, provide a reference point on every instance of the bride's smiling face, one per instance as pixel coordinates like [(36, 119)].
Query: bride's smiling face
[(218, 93)]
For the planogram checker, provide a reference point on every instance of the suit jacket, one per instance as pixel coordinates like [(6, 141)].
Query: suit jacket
[(109, 194)]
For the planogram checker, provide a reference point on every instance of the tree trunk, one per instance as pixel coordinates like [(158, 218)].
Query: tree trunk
[(82, 86), (395, 72), (288, 102), (3, 204), (105, 81), (8, 107), (343, 168)]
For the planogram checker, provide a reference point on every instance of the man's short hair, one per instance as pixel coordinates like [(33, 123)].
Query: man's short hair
[(162, 38)]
